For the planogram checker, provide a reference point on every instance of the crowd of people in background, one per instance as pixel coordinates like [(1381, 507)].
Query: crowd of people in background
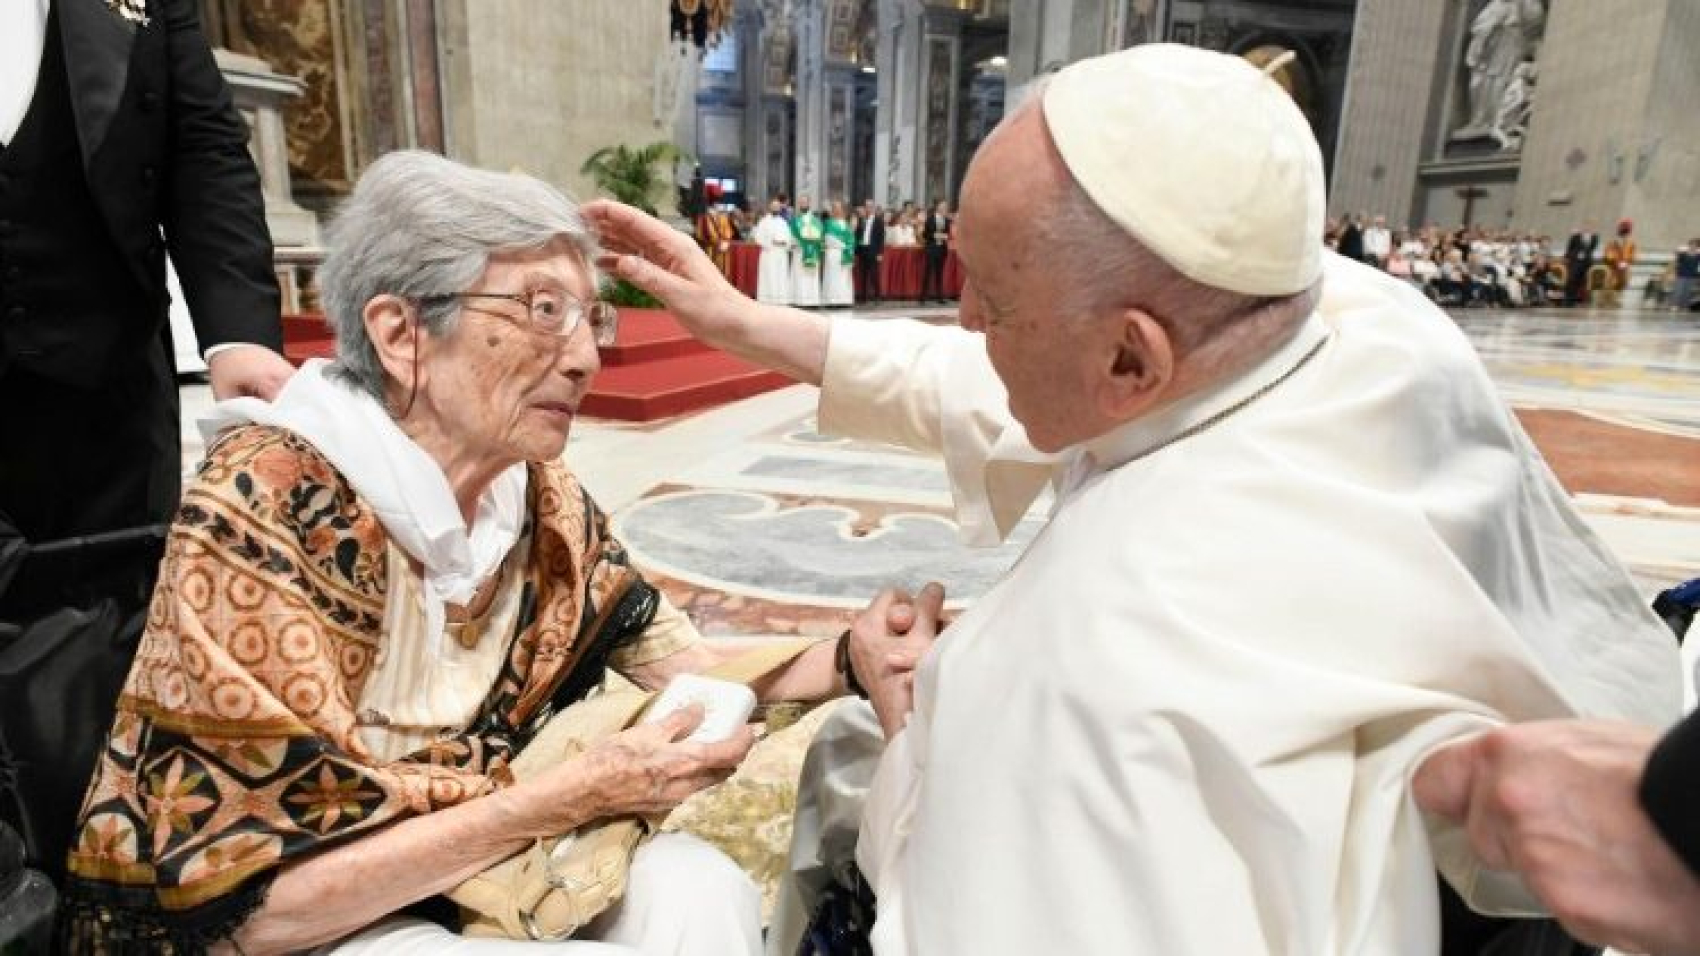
[(830, 257), (1471, 266)]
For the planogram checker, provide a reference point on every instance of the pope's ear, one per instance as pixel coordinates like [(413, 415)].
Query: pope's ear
[(1141, 363)]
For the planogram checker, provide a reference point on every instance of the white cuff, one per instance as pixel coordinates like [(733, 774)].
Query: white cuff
[(207, 355)]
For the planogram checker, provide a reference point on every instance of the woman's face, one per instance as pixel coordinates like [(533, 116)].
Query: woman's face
[(497, 390)]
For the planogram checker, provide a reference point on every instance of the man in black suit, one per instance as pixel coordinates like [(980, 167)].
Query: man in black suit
[(124, 142), (1597, 817), (870, 245), (935, 240), (118, 141), (1578, 259), (1352, 240)]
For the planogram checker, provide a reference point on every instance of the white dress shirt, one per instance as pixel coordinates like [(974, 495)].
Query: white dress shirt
[(1184, 722), (23, 31)]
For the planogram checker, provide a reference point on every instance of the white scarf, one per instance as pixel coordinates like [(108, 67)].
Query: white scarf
[(404, 486)]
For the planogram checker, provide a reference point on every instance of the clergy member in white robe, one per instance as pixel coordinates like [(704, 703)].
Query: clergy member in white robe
[(1287, 557), (773, 271)]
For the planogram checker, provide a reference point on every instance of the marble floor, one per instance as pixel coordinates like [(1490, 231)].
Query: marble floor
[(757, 525)]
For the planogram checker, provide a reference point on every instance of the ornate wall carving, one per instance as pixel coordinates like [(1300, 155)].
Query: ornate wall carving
[(300, 38), (838, 120), (843, 41), (939, 111)]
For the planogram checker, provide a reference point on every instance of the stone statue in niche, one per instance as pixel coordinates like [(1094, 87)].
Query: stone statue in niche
[(1502, 38), (1511, 122)]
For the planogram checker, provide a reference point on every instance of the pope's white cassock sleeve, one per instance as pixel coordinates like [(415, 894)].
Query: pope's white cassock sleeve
[(1185, 721)]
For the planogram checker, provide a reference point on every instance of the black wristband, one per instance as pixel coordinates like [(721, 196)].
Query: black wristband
[(841, 657)]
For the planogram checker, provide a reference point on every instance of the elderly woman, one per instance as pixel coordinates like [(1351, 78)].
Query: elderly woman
[(375, 592)]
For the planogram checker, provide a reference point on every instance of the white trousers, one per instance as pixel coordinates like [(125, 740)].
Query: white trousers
[(683, 898)]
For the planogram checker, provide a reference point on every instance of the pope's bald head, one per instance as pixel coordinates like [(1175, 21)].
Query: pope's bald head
[(1016, 173)]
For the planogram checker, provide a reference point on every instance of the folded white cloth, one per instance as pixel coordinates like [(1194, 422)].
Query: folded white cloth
[(404, 485)]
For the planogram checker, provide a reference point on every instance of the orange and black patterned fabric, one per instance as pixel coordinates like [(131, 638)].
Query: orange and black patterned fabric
[(235, 744)]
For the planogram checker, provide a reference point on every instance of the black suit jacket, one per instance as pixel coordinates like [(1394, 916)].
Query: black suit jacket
[(932, 235), (876, 239), (163, 147), (1581, 250), (1668, 788), (1352, 243)]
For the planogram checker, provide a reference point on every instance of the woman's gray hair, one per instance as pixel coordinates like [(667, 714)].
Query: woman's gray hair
[(418, 226)]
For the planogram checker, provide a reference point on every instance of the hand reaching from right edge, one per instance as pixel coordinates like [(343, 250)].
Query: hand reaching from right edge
[(1556, 802)]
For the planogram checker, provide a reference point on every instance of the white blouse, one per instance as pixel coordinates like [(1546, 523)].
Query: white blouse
[(412, 699)]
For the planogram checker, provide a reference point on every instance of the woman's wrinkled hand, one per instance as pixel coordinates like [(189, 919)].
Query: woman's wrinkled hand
[(651, 768), (645, 769)]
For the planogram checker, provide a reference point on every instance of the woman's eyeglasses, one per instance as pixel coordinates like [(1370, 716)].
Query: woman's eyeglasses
[(551, 312)]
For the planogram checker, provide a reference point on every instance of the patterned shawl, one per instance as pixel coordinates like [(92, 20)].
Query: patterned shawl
[(235, 745)]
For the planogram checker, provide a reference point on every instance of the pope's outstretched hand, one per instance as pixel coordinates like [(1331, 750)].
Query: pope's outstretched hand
[(668, 264)]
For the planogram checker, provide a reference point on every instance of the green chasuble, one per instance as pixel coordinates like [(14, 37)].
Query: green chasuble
[(810, 236), (841, 230)]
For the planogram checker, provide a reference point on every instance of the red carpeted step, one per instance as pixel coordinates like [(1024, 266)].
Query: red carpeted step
[(666, 387), (300, 350), (647, 335), (309, 326), (307, 337)]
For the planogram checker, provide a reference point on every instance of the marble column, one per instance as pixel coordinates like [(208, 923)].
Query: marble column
[(1045, 35), (747, 26), (810, 96), (688, 59), (1392, 120), (939, 132), (920, 81), (898, 58), (840, 145), (767, 100), (261, 96)]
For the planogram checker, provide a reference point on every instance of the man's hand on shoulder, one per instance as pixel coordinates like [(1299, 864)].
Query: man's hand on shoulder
[(252, 371), (1557, 803)]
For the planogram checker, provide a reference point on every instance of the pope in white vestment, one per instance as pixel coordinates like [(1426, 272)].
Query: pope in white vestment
[(1297, 543), (1184, 722), (773, 272)]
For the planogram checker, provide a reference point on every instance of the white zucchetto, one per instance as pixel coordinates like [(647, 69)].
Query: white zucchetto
[(1200, 156)]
